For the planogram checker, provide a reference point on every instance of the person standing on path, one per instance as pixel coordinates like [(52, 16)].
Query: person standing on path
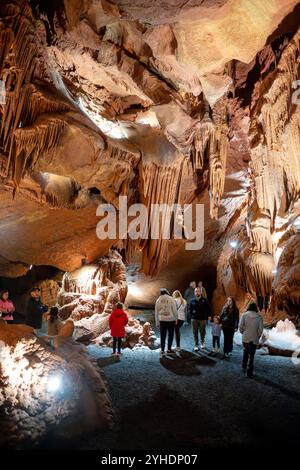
[(181, 313), (251, 327), (230, 321), (202, 289), (165, 318), (216, 329), (200, 312), (7, 308), (117, 322), (189, 294), (35, 310)]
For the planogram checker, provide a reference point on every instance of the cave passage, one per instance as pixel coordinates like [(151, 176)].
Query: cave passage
[(150, 225)]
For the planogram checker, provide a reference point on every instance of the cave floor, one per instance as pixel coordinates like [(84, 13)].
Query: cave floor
[(198, 401)]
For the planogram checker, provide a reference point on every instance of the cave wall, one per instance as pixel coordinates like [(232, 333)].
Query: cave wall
[(163, 102)]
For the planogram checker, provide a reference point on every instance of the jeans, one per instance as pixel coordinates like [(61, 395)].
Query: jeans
[(216, 340), (228, 339), (177, 332), (248, 357), (199, 325), (166, 327), (117, 341)]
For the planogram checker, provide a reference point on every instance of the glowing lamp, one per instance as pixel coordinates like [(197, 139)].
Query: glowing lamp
[(233, 244), (53, 383)]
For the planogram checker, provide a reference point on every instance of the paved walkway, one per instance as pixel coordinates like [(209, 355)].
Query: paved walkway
[(198, 400)]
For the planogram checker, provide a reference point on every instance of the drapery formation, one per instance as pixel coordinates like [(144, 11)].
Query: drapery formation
[(209, 150), (160, 185), (275, 167), (28, 122)]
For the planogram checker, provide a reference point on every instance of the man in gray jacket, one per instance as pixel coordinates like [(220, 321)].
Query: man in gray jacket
[(165, 318), (251, 327)]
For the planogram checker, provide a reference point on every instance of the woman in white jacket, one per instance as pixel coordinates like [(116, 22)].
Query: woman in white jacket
[(165, 318), (181, 314)]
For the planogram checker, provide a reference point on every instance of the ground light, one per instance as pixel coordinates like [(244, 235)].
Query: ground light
[(54, 383), (233, 244)]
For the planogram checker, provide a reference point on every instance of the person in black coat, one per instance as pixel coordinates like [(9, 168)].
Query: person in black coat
[(35, 309), (230, 321), (200, 312)]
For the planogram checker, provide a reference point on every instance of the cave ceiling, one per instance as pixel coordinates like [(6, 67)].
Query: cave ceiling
[(162, 101)]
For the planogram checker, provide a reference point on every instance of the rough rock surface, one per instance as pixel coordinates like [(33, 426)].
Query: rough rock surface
[(31, 407), (164, 102), (88, 296)]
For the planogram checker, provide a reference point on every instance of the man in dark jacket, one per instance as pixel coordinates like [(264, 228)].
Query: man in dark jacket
[(189, 294), (35, 309), (199, 312)]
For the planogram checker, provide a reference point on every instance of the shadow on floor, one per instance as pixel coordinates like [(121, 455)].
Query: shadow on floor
[(107, 361), (186, 363), (276, 386), (168, 420)]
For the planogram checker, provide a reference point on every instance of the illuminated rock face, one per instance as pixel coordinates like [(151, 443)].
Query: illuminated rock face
[(43, 391), (164, 102), (89, 295)]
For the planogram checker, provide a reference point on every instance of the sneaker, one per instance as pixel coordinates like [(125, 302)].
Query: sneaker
[(226, 355), (202, 346), (178, 349), (213, 350), (170, 351), (196, 348), (230, 354), (162, 353)]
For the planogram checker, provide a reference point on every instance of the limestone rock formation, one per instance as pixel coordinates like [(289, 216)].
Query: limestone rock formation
[(136, 335), (88, 296), (46, 392), (163, 102)]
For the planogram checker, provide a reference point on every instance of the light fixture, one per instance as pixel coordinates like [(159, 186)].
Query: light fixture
[(31, 266), (53, 383), (233, 244)]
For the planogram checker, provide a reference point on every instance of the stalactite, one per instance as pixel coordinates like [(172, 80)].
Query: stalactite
[(29, 142), (160, 186), (275, 134), (260, 267), (275, 161), (21, 64), (218, 156), (209, 148)]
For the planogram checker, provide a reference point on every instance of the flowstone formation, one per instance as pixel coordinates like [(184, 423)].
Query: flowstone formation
[(163, 102), (89, 295), (59, 393)]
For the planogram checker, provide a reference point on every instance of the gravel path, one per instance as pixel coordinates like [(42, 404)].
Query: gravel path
[(198, 400)]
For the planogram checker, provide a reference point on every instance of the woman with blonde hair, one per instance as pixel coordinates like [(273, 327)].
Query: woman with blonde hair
[(181, 304)]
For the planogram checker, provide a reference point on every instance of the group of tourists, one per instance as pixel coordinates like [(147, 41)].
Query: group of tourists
[(35, 312), (172, 311)]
